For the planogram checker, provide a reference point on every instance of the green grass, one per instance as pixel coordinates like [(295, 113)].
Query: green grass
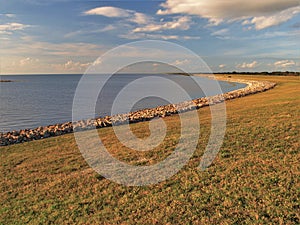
[(253, 180)]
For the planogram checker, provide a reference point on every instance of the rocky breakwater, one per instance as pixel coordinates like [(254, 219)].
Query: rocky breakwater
[(26, 135)]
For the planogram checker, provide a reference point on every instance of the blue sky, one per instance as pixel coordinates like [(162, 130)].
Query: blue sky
[(61, 36)]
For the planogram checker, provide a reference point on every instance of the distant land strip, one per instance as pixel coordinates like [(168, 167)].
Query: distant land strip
[(275, 73), (25, 135)]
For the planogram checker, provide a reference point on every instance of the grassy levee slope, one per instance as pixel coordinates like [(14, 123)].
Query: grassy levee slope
[(255, 178)]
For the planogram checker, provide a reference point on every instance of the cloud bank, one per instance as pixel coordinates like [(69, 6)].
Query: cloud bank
[(260, 14)]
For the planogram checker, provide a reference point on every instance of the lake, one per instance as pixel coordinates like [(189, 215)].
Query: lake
[(31, 101)]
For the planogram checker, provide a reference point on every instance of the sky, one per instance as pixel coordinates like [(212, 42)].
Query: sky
[(63, 36)]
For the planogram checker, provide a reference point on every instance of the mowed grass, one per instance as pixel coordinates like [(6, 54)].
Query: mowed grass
[(255, 178)]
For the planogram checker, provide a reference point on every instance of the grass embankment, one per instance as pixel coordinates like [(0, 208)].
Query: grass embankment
[(254, 179)]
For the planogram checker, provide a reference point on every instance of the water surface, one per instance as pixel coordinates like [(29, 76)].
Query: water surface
[(40, 100)]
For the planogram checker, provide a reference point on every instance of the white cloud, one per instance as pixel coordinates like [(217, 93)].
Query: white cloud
[(9, 27), (140, 18), (72, 66), (222, 66), (108, 27), (98, 61), (9, 15), (191, 37), (262, 14), (247, 65), (181, 62), (108, 12), (295, 33), (136, 36), (181, 23), (221, 32), (130, 15), (263, 22), (284, 63), (27, 61)]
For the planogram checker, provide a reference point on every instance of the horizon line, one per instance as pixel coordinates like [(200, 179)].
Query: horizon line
[(220, 72)]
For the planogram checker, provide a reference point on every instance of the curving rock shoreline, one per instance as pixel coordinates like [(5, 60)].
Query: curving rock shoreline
[(15, 137)]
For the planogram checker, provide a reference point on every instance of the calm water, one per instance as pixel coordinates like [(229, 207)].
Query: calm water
[(39, 100)]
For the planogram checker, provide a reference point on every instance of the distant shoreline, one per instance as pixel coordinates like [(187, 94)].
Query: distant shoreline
[(5, 81)]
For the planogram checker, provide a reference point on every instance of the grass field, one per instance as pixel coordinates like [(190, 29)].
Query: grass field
[(255, 178)]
